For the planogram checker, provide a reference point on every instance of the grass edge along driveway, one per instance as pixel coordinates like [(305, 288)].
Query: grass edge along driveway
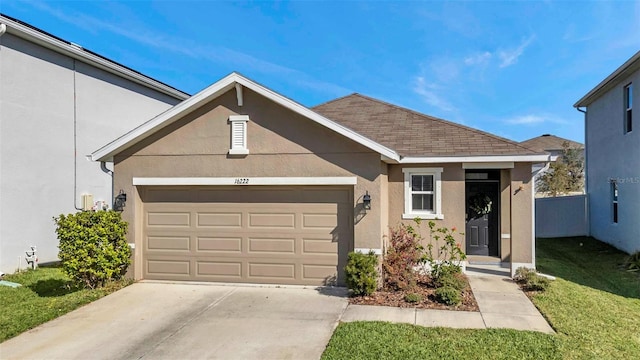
[(46, 293), (594, 306)]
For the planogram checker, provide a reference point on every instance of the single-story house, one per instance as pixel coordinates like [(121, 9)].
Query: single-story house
[(241, 184)]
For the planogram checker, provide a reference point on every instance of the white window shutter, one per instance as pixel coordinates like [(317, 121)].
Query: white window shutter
[(238, 135)]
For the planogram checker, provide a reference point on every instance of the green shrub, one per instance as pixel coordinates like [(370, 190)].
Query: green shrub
[(413, 298), (93, 247), (632, 262), (361, 273), (530, 280), (451, 279), (448, 295)]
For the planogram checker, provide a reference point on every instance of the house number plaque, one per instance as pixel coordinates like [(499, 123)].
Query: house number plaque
[(241, 181)]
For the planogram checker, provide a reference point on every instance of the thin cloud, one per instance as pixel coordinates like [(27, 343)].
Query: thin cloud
[(478, 59), (186, 47), (510, 57), (535, 119), (428, 93)]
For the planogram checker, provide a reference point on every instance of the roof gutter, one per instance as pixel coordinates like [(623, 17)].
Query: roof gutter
[(625, 69), (475, 159)]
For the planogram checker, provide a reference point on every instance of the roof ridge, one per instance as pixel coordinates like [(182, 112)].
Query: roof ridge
[(512, 142)]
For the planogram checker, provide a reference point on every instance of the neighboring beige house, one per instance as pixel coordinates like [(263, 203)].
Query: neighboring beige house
[(554, 146), (241, 184)]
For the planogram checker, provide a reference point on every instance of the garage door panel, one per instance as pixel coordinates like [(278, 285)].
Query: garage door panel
[(168, 219), (272, 220), (219, 220), (273, 245), (319, 246), (320, 221), (267, 270), (219, 244), (169, 243), (244, 234), (169, 267), (318, 272), (223, 270)]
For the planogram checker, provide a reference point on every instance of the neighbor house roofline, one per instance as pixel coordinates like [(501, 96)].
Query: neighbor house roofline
[(37, 36), (610, 81)]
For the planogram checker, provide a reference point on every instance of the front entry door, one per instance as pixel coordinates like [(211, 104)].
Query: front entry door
[(482, 204)]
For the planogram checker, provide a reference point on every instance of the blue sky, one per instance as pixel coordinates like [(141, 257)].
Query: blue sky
[(511, 68)]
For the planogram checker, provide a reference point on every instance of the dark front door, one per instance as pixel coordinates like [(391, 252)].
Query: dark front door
[(482, 218)]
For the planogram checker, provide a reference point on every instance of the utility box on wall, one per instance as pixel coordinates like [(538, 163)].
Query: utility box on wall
[(87, 202)]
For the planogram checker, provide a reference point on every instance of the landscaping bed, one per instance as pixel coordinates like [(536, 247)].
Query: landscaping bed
[(425, 289)]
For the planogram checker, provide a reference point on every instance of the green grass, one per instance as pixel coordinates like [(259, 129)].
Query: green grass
[(379, 340), (46, 293), (594, 306)]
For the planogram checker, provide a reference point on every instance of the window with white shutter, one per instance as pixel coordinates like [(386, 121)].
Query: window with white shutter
[(238, 134)]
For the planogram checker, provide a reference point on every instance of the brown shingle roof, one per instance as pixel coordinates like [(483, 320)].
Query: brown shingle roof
[(548, 142), (414, 134)]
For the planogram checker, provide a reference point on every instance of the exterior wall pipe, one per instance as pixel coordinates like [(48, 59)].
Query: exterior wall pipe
[(103, 167), (586, 164)]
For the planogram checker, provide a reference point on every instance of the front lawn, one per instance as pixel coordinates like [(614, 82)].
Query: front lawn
[(594, 306), (44, 295)]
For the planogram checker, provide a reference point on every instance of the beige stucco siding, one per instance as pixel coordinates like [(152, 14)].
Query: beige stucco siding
[(521, 214), (505, 215), (453, 198), (281, 144)]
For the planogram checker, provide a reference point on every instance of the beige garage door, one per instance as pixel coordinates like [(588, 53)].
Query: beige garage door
[(295, 235)]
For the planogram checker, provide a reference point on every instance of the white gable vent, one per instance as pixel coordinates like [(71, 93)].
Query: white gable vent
[(238, 134)]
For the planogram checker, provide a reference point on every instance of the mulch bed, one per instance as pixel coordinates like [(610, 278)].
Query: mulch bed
[(425, 288)]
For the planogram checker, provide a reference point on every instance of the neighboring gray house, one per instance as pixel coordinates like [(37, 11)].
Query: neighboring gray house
[(612, 139), (58, 103)]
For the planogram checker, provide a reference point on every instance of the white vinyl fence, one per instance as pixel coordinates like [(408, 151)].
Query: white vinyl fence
[(562, 216)]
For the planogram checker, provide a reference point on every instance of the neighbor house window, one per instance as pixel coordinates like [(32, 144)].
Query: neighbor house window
[(238, 134), (422, 193), (614, 200), (628, 107)]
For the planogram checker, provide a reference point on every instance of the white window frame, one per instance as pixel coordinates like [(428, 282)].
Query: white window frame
[(628, 108), (409, 213), (238, 123)]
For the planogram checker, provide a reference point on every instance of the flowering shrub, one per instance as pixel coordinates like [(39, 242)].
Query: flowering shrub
[(445, 258), (404, 253)]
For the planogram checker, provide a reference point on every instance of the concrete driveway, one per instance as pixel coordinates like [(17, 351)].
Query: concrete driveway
[(150, 320)]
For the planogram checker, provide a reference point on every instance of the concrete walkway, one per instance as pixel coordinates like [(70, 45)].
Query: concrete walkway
[(502, 305)]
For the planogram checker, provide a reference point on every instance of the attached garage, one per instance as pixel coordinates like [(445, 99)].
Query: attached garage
[(253, 234)]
